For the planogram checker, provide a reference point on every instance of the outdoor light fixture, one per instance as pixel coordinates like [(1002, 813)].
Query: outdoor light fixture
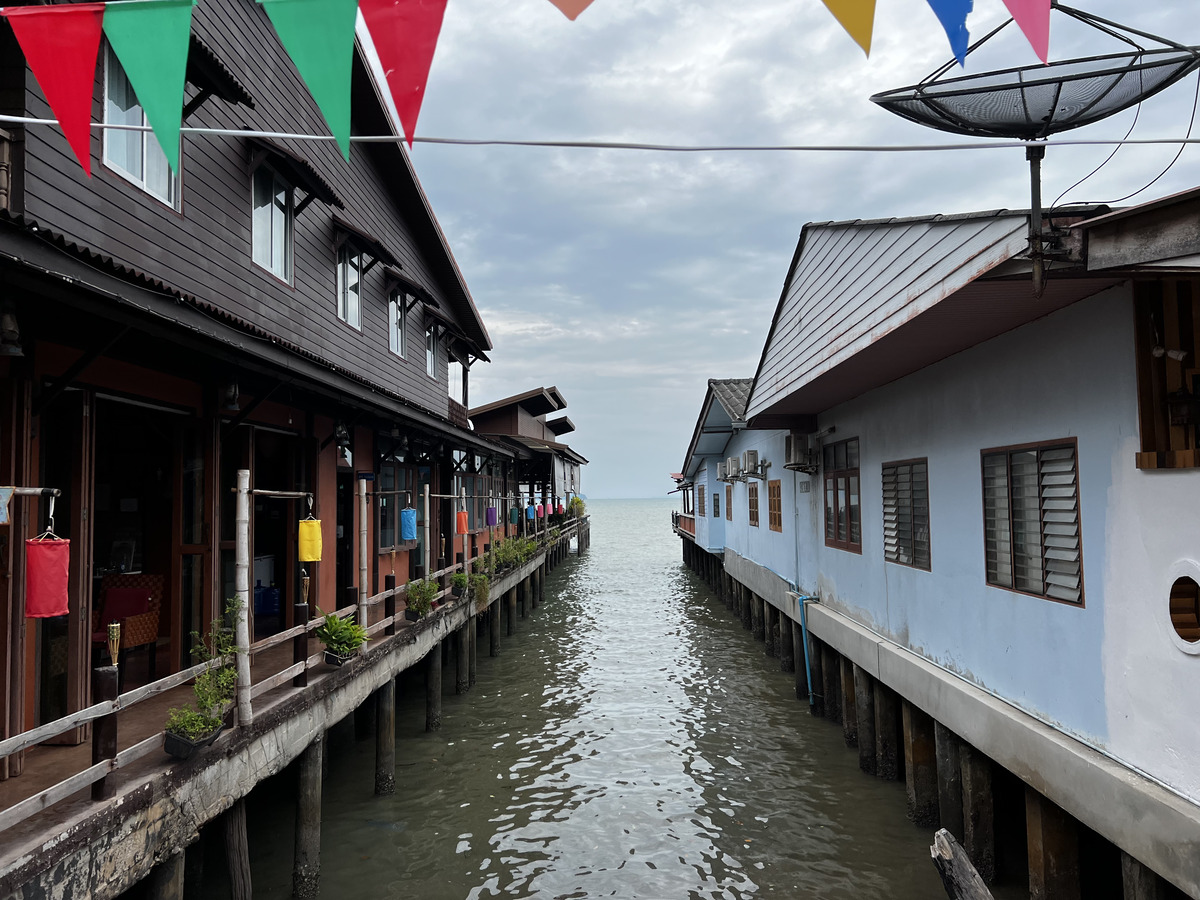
[(114, 641), (229, 398), (10, 333), (342, 435)]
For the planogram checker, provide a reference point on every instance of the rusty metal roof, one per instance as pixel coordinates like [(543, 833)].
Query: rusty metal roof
[(721, 414)]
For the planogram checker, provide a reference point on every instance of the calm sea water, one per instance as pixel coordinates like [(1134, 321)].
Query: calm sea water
[(631, 741)]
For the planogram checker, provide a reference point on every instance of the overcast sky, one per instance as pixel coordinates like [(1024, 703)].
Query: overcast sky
[(630, 278)]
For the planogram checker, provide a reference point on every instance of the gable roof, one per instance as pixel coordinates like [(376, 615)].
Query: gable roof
[(537, 402), (721, 414), (867, 302)]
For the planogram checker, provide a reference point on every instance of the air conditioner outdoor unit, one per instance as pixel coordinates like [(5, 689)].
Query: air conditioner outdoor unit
[(732, 469), (801, 455), (750, 462), (721, 472)]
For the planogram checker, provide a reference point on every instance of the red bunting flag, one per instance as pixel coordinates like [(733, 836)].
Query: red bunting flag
[(405, 35), (60, 44), (572, 8), (1033, 17)]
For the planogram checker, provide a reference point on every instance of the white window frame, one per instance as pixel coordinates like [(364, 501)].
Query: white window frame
[(281, 269), (349, 313), (149, 147), (398, 322), (432, 343)]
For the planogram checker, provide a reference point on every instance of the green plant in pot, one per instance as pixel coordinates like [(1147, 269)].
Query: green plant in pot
[(188, 728), (418, 597), (341, 637), (458, 583), (480, 586)]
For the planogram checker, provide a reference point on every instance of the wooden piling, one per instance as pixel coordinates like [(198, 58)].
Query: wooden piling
[(887, 730), (816, 663), (801, 680), (849, 707), (979, 817), (512, 611), (770, 629), (787, 644), (385, 739), (237, 852), (433, 688), (920, 765), (1140, 882), (494, 627), (949, 778), (831, 686), (758, 617), (1053, 841), (462, 660), (306, 862), (104, 730), (864, 709), (473, 652), (166, 879), (959, 877)]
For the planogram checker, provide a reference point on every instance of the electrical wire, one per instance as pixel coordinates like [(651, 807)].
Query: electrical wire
[(1117, 149)]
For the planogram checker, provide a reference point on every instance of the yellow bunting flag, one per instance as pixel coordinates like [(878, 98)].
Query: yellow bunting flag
[(572, 8), (857, 17)]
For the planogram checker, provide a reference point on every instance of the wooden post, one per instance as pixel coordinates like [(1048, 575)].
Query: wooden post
[(306, 861), (787, 644), (864, 710), (887, 727), (104, 730), (166, 879), (364, 554), (536, 577), (473, 652), (494, 626), (770, 629), (920, 765), (816, 662), (433, 688), (512, 610), (462, 661), (831, 671), (300, 641), (979, 817), (849, 710), (758, 617), (237, 851), (949, 776), (1140, 882), (959, 877), (800, 669), (385, 739), (1053, 841), (389, 602), (241, 522)]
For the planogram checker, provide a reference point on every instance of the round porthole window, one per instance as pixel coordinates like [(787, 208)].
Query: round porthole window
[(1185, 609)]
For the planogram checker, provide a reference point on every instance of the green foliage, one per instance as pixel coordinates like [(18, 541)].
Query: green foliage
[(515, 551), (419, 596), (480, 586), (576, 507), (555, 534), (340, 636), (458, 581), (215, 686)]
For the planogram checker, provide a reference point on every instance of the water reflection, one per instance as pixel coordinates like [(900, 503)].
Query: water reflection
[(631, 741)]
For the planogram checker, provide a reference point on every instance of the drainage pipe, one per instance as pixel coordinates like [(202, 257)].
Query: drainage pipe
[(803, 601)]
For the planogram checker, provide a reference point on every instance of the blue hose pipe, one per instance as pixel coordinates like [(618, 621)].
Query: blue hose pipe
[(802, 600)]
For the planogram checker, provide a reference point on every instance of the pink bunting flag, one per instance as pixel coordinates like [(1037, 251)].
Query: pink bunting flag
[(572, 8), (1033, 18), (405, 34), (60, 44)]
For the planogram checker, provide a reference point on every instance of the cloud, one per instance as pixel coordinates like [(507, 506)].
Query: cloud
[(629, 278)]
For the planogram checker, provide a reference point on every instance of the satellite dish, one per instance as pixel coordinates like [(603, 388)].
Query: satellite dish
[(1030, 103)]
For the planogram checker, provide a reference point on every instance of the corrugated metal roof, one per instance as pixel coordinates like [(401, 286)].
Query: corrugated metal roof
[(853, 283), (724, 403), (733, 394)]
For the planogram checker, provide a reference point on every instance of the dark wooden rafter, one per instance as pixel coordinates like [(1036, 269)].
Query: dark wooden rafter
[(67, 378)]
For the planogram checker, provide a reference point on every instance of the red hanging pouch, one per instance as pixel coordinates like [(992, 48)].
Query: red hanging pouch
[(47, 567), (463, 525)]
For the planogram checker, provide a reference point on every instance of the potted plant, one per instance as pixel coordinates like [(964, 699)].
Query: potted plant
[(187, 729), (458, 583), (479, 587), (418, 597), (342, 638)]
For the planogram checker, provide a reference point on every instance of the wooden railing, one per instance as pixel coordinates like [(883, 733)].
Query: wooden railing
[(302, 662), (684, 522), (5, 168), (458, 414)]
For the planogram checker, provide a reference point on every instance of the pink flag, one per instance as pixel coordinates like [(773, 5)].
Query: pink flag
[(60, 44), (1033, 17), (405, 34), (572, 8)]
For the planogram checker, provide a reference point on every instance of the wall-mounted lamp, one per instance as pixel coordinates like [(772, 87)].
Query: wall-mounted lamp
[(10, 333), (341, 435), (229, 398)]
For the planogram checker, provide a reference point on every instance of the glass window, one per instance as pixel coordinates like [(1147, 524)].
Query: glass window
[(431, 351), (752, 503), (775, 505), (396, 321), (843, 510), (272, 224), (349, 278), (135, 155)]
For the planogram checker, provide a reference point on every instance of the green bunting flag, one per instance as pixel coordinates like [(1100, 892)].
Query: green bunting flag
[(151, 39), (319, 37)]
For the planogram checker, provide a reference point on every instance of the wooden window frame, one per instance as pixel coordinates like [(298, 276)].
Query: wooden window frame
[(700, 513), (752, 503), (831, 476), (1039, 447), (926, 564), (775, 505), (729, 503), (716, 506), (1167, 321)]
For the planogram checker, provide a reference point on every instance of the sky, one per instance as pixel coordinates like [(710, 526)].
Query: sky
[(629, 278)]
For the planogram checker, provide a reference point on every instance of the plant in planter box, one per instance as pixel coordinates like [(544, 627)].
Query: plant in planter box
[(189, 728), (458, 583), (341, 637), (479, 587), (419, 598), (576, 507)]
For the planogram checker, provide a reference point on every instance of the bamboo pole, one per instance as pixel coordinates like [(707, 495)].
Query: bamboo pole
[(425, 528), (242, 592), (363, 553)]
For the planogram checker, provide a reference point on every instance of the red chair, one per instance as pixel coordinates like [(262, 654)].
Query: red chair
[(134, 601)]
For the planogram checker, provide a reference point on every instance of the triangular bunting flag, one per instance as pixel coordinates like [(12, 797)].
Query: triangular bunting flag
[(319, 37), (1033, 17), (857, 17), (572, 8), (953, 16), (150, 38), (405, 35), (60, 44)]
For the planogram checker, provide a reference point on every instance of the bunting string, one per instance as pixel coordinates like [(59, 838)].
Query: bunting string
[(151, 38)]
